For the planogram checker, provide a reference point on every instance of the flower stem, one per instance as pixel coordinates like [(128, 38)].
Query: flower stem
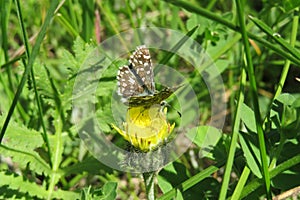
[(149, 184)]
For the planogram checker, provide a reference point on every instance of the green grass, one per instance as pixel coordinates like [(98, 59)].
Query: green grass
[(254, 155)]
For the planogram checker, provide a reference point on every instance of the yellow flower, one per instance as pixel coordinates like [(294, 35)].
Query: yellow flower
[(146, 128)]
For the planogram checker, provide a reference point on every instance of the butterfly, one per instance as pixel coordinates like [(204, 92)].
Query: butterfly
[(136, 81), (146, 126)]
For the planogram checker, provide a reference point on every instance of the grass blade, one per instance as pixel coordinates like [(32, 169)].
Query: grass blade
[(256, 183), (177, 46), (234, 139), (253, 87), (31, 60), (210, 15), (275, 36)]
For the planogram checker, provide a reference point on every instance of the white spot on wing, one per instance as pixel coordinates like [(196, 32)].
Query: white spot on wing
[(131, 80)]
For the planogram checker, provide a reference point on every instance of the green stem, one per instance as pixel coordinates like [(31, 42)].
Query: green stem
[(239, 187), (254, 95), (68, 26), (288, 62), (56, 157), (41, 114), (234, 138), (58, 148), (149, 184), (4, 10), (109, 17), (27, 53), (278, 150), (282, 80)]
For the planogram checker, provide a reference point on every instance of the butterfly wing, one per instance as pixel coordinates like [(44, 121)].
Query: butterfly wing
[(127, 84), (141, 63), (137, 78)]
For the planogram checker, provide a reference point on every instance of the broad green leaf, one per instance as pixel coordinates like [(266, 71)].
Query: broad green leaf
[(251, 153), (248, 118), (285, 115), (286, 99), (109, 191), (205, 137), (163, 183), (166, 179), (290, 4), (179, 195), (296, 103)]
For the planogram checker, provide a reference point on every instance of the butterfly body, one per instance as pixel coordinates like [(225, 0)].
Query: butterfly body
[(152, 99)]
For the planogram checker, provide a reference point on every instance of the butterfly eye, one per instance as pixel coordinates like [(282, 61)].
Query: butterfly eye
[(164, 104)]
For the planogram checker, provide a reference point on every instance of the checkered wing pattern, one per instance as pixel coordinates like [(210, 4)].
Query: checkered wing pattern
[(136, 79)]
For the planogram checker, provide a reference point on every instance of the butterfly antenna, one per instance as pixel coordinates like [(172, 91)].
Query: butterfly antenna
[(165, 104)]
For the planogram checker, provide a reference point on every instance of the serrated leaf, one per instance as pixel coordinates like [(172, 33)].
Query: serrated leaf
[(105, 119), (21, 185), (82, 49), (105, 88), (22, 145), (58, 194)]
